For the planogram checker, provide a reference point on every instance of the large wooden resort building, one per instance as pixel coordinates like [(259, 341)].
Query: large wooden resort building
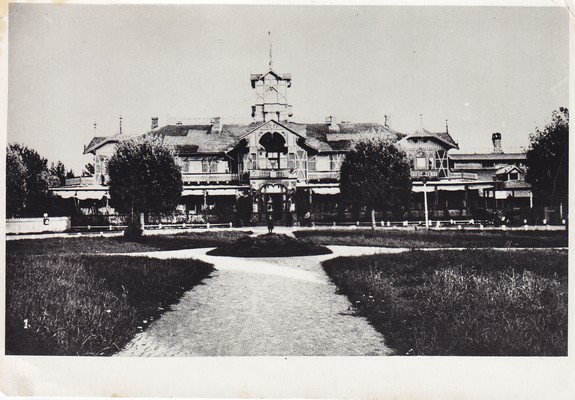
[(287, 169)]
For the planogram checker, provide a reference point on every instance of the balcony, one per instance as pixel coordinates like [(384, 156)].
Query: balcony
[(430, 174), (209, 178), (472, 176), (80, 181), (323, 175), (272, 174)]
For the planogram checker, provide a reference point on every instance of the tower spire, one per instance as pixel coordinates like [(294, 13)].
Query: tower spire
[(270, 38), (120, 124)]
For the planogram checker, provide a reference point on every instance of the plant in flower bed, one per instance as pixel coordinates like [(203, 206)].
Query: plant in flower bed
[(269, 245), (83, 244), (89, 304), (466, 303), (432, 238)]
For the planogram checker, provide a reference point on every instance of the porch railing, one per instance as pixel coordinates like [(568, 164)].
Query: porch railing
[(323, 175), (272, 173), (209, 177), (464, 175), (80, 181), (428, 173)]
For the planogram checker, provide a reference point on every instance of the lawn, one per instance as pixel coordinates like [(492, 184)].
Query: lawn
[(464, 303), (64, 298), (435, 239), (89, 304), (119, 244)]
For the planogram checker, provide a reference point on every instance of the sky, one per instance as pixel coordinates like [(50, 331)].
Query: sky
[(484, 69)]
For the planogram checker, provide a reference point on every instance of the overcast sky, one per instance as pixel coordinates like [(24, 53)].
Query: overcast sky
[(485, 69)]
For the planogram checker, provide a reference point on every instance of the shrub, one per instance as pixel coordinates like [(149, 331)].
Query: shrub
[(269, 245)]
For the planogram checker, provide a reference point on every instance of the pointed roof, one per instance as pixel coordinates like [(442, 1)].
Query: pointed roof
[(443, 137), (99, 141), (283, 77), (509, 168)]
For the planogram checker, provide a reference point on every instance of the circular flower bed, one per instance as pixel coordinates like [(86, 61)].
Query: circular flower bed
[(269, 245)]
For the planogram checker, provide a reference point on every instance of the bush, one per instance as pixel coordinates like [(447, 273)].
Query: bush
[(89, 305), (269, 245), (461, 303)]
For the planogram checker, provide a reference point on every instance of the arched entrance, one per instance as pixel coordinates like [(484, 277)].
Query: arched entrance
[(274, 202)]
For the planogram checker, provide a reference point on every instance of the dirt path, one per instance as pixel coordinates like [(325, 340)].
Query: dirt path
[(260, 307)]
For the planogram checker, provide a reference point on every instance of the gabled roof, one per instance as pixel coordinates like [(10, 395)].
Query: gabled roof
[(509, 168), (190, 139), (443, 137), (341, 139), (99, 141), (257, 77), (194, 139)]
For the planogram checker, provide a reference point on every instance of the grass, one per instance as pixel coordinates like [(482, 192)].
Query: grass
[(89, 304), (91, 245), (269, 245), (435, 239), (464, 303)]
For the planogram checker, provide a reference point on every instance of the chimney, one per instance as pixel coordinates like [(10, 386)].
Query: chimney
[(333, 126), (496, 138), (216, 125), (154, 122)]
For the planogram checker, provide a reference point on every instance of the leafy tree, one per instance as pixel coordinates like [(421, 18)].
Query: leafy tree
[(144, 177), (59, 171), (376, 174), (88, 170), (16, 190), (548, 160), (38, 180)]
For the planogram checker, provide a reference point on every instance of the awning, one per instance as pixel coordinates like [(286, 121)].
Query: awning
[(326, 190), (92, 194), (193, 192), (211, 192), (449, 188), (421, 189), (80, 194)]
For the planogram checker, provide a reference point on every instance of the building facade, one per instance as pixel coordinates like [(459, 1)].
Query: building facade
[(286, 169)]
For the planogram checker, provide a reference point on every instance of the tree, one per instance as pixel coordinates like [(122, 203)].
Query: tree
[(144, 177), (376, 174), (38, 180), (59, 171), (88, 170), (16, 190), (548, 160)]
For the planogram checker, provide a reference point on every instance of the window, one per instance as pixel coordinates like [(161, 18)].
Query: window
[(322, 163), (513, 176), (431, 163), (209, 166), (273, 160), (291, 161), (311, 164), (420, 162)]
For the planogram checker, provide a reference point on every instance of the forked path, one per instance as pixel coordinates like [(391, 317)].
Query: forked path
[(260, 307)]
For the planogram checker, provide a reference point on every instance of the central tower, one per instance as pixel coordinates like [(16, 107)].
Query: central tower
[(271, 95)]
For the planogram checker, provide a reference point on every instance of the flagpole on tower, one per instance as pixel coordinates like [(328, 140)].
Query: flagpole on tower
[(270, 38)]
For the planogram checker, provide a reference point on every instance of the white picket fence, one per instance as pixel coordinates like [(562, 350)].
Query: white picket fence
[(36, 225)]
